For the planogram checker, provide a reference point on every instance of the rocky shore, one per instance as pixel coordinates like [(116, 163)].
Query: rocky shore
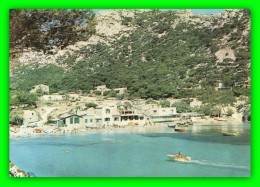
[(14, 171)]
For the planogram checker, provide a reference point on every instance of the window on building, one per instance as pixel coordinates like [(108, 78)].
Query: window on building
[(116, 119), (86, 120), (76, 120), (71, 120), (124, 118), (91, 120), (141, 118), (107, 111), (154, 111), (107, 119)]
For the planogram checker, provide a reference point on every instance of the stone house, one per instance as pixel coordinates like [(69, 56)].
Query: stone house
[(54, 97), (43, 88), (103, 88), (222, 86), (120, 91)]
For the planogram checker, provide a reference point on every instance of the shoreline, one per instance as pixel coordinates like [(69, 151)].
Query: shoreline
[(46, 130), (15, 171)]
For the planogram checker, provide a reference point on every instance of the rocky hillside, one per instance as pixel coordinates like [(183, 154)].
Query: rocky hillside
[(154, 53)]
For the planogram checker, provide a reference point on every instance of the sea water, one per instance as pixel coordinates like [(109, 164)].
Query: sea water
[(137, 154)]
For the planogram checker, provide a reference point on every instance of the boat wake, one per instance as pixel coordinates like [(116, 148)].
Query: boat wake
[(221, 165)]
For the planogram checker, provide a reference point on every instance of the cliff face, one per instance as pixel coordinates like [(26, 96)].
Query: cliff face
[(176, 44)]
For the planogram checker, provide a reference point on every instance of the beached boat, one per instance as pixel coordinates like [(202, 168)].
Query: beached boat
[(176, 157), (220, 119), (172, 125), (230, 133)]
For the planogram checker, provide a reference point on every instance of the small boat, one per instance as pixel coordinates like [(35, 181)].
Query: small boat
[(44, 131), (220, 119), (176, 157), (180, 128), (183, 124), (172, 125), (231, 133)]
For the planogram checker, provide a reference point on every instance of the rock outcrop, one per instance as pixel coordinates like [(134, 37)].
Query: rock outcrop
[(14, 171)]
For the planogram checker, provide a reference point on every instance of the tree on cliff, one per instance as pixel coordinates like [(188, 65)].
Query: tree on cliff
[(42, 29)]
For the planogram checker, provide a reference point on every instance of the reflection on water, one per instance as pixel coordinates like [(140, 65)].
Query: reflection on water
[(209, 133), (220, 128)]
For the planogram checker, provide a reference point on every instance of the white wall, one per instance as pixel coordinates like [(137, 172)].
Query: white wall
[(30, 116)]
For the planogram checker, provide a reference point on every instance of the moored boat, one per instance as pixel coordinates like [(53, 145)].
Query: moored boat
[(230, 133), (181, 128), (172, 125), (184, 123)]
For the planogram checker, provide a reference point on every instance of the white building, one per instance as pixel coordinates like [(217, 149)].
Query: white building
[(43, 88), (154, 113), (118, 115), (92, 118), (102, 89), (30, 118), (111, 115)]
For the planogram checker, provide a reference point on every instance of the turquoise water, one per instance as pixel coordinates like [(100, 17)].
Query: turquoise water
[(140, 154)]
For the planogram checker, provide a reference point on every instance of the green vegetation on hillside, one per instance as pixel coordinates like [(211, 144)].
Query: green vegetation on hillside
[(157, 60), (28, 77)]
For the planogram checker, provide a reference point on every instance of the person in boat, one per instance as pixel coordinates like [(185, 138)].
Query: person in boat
[(180, 155)]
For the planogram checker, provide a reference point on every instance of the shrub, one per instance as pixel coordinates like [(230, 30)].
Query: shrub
[(16, 117), (89, 105), (165, 103), (182, 107), (230, 112)]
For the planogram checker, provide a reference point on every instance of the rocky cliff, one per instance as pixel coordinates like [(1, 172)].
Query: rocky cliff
[(145, 48)]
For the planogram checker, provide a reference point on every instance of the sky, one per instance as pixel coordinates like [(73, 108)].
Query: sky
[(207, 11)]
